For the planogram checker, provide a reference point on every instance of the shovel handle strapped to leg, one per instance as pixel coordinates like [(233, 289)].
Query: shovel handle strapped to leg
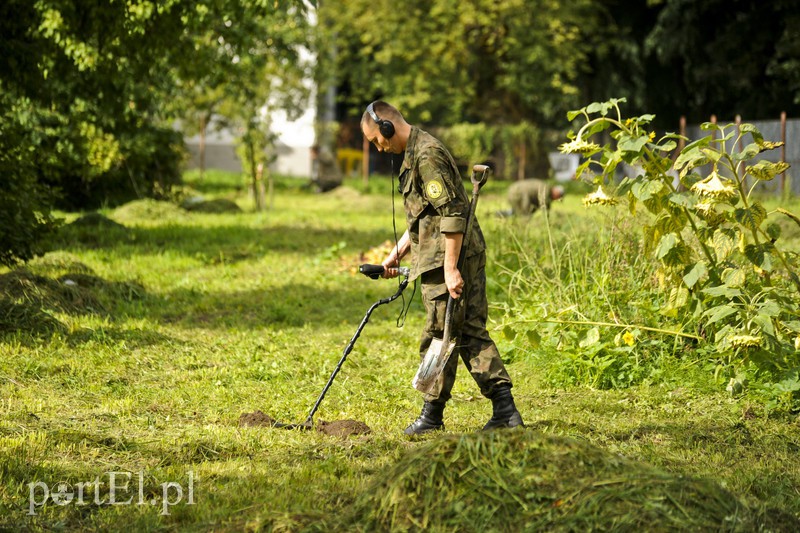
[(374, 272), (435, 359)]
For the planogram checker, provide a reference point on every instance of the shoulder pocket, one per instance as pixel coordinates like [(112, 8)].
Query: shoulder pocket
[(414, 202), (405, 182)]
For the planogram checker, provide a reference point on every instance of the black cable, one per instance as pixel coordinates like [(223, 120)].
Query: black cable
[(404, 307)]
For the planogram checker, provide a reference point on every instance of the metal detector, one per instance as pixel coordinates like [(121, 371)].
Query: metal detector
[(373, 272)]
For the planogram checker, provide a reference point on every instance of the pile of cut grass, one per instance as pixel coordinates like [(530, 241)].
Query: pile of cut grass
[(527, 481), (62, 295), (31, 302), (149, 210)]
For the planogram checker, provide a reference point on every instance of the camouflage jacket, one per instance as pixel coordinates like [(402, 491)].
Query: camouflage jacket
[(435, 200)]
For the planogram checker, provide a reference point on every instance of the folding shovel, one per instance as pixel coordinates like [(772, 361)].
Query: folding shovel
[(440, 350)]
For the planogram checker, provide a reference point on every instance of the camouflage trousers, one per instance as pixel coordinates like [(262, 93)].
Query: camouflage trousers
[(474, 345)]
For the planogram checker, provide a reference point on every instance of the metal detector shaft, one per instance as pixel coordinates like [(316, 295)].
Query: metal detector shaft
[(349, 347)]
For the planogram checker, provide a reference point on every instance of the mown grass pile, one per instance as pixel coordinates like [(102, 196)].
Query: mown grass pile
[(527, 481), (138, 343)]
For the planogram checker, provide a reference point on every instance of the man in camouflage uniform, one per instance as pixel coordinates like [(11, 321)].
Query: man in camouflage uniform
[(436, 206), (526, 196)]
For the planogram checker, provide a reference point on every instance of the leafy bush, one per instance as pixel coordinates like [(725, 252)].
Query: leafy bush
[(721, 264), (582, 301), (25, 217)]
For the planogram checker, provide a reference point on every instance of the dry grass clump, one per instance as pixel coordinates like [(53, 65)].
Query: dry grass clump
[(95, 220), (526, 481), (345, 193), (58, 263), (92, 230), (26, 288)]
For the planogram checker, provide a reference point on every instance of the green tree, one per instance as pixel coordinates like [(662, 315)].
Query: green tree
[(252, 62), (746, 43), (449, 61), (262, 71), (478, 67), (97, 87), (25, 217)]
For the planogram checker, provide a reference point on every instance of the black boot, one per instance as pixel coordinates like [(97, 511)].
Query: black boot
[(430, 419), (504, 412)]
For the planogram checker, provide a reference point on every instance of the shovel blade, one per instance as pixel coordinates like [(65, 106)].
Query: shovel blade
[(432, 365)]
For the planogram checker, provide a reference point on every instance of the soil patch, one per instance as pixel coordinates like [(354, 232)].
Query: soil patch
[(256, 418), (343, 428), (336, 428)]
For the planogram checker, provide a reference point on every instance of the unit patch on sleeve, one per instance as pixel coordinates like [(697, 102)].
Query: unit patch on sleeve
[(434, 189)]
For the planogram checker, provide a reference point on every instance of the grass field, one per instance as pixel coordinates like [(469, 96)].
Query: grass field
[(175, 325)]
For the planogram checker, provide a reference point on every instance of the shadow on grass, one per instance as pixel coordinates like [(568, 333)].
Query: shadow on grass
[(132, 338), (292, 305), (289, 305), (209, 244)]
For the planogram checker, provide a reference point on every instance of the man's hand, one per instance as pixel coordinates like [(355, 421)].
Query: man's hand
[(392, 261), (454, 282), (390, 269)]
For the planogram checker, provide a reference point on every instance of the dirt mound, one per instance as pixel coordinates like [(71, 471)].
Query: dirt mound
[(343, 428), (336, 428), (256, 418)]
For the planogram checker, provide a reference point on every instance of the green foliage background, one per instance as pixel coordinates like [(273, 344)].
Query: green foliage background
[(91, 94)]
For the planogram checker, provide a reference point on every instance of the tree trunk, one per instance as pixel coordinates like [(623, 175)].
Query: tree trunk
[(256, 173), (202, 148), (523, 156)]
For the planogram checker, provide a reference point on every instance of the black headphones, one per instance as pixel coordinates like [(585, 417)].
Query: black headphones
[(384, 126)]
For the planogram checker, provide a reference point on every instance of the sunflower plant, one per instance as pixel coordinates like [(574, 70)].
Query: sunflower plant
[(722, 265)]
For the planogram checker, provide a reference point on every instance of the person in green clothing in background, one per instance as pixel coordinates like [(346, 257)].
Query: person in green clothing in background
[(527, 196)]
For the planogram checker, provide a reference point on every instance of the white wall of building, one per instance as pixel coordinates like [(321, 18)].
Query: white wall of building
[(293, 147)]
